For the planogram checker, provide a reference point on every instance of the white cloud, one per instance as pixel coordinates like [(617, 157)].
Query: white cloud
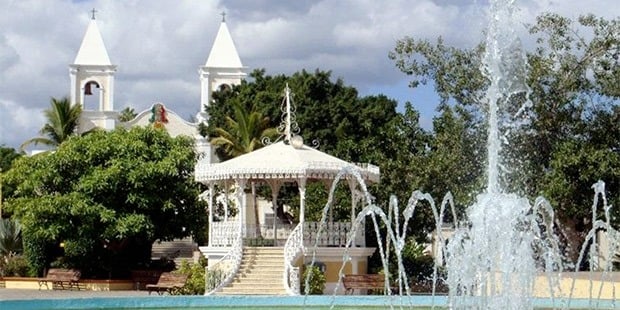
[(16, 121), (158, 45), (8, 54)]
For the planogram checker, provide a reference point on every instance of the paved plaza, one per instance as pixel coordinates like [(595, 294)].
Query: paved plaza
[(13, 294)]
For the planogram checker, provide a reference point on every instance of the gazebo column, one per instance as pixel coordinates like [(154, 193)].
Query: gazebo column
[(240, 196), (275, 186), (210, 202), (226, 200), (301, 185)]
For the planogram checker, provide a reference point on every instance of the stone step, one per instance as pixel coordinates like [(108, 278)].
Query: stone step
[(255, 273), (272, 256), (264, 256), (259, 264), (257, 282), (262, 261), (265, 272), (259, 258), (260, 273), (259, 291)]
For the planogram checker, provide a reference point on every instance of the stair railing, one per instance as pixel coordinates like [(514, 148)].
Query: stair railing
[(292, 249), (224, 270)]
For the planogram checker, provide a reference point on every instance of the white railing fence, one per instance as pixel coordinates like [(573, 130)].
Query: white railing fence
[(332, 234), (292, 249), (223, 271)]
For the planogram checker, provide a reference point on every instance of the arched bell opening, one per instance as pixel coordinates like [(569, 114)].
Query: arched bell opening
[(92, 95)]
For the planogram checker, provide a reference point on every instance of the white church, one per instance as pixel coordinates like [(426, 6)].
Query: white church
[(237, 266), (92, 74)]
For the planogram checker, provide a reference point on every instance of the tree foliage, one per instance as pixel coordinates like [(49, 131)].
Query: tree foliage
[(242, 134), (567, 138), (100, 200), (7, 156), (353, 128), (127, 114)]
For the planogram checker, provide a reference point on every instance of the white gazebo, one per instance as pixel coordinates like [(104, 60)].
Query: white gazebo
[(287, 161)]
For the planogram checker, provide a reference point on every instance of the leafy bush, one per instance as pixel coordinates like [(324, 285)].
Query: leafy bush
[(214, 277), (316, 283), (14, 266), (195, 272), (10, 237)]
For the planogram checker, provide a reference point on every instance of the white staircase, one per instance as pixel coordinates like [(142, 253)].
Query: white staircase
[(260, 273)]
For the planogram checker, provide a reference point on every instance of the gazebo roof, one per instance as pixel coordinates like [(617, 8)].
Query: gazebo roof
[(282, 161)]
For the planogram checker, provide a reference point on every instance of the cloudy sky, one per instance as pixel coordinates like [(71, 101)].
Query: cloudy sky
[(159, 45)]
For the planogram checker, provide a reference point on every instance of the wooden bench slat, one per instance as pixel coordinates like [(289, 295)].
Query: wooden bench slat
[(363, 281), (59, 277), (168, 282)]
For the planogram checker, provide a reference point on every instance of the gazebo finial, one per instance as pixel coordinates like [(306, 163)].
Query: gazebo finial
[(287, 128)]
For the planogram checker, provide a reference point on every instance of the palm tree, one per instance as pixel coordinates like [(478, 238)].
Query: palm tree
[(62, 121), (244, 134), (127, 114)]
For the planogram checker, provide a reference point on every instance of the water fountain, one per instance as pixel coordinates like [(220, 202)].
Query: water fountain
[(497, 254)]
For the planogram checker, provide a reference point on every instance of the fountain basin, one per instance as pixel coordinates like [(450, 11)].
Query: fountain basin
[(270, 302)]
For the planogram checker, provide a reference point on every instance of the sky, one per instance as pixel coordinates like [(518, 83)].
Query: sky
[(159, 45)]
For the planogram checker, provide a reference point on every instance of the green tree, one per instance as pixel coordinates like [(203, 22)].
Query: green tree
[(62, 121), (106, 197), (452, 164), (573, 94), (243, 134), (353, 128), (7, 156)]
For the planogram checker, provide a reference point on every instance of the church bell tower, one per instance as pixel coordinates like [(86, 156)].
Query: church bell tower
[(92, 74), (223, 68)]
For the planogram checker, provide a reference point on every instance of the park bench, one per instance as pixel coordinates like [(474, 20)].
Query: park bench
[(168, 282), (141, 278), (363, 281), (61, 278)]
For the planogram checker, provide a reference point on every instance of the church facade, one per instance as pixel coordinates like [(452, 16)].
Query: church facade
[(92, 76)]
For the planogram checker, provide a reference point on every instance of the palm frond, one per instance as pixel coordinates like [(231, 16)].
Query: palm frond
[(62, 122)]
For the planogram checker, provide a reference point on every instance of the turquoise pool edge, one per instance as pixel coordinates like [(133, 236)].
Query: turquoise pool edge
[(235, 302)]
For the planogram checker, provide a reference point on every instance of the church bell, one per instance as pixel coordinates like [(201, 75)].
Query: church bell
[(87, 90)]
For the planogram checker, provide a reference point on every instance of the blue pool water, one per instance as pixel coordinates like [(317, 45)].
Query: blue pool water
[(267, 302)]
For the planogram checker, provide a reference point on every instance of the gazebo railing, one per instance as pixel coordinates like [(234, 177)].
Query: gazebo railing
[(224, 270), (292, 249), (224, 233), (332, 235)]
